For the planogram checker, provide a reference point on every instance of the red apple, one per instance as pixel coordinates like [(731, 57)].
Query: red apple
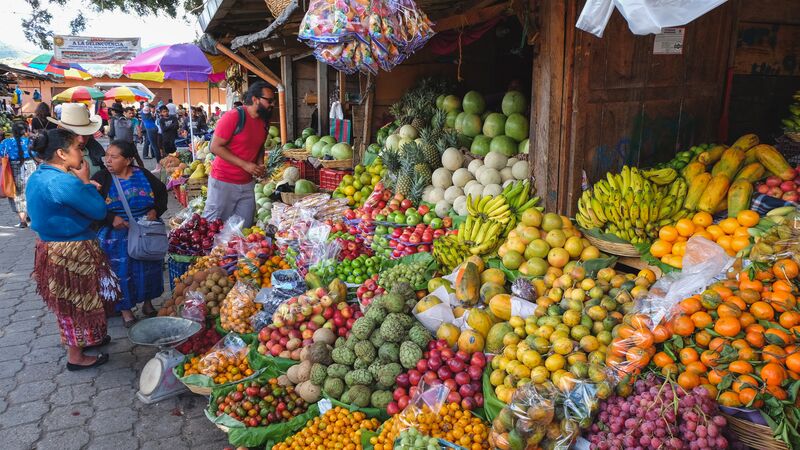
[(453, 397), (430, 376), (451, 384), (402, 402), (469, 404), (455, 365), (444, 373), (788, 186), (462, 378), (762, 189), (422, 365), (402, 380), (448, 353), (773, 181), (434, 362), (392, 408), (474, 372), (479, 399), (398, 392), (465, 390), (414, 377)]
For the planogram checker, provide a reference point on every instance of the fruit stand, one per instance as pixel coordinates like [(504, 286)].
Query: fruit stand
[(417, 291)]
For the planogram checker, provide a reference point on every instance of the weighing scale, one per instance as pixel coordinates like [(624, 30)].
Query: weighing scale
[(157, 381)]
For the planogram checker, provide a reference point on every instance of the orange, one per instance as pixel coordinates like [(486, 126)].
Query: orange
[(722, 290), (668, 233), (730, 399), (688, 380), (715, 376), (696, 367), (777, 392), (717, 344), (736, 300), (748, 397), (728, 225), (728, 326), (704, 234), (744, 381), (742, 232), (755, 338), (701, 319), (709, 358), (669, 370), (662, 359), (788, 319), (778, 335), (781, 286), (715, 230), (687, 355), (685, 227), (702, 219), (746, 283), (750, 296), (740, 367), (702, 338), (683, 326), (762, 311), (747, 218), (773, 353), (679, 248), (793, 362), (690, 305), (725, 242), (773, 374), (661, 334), (740, 243), (660, 248), (786, 269), (782, 301), (726, 309)]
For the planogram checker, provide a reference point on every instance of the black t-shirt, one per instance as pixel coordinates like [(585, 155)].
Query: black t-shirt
[(42, 124)]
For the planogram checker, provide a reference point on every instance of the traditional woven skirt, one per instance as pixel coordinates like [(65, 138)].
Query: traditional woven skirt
[(76, 282), (21, 170)]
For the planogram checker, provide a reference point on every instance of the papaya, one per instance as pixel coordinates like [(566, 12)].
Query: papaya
[(751, 172), (750, 156), (493, 276), (500, 305), (739, 196), (721, 206), (489, 290), (494, 340), (470, 341), (478, 319), (449, 333), (696, 188), (774, 162), (692, 170), (467, 285), (714, 193), (729, 164), (338, 290), (426, 303), (712, 155), (478, 261), (746, 142)]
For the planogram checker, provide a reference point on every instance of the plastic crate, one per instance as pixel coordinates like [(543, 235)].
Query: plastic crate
[(307, 171), (329, 179), (177, 265)]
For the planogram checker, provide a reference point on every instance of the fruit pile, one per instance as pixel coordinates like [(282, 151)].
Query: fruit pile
[(354, 271), (788, 190), (338, 427), (288, 341), (411, 439), (541, 241), (791, 124), (212, 284), (257, 404), (221, 365), (314, 301), (200, 342), (413, 239), (776, 235), (567, 335), (351, 246), (657, 415), (731, 234), (256, 270), (195, 237), (451, 423), (369, 290), (413, 274), (682, 159), (238, 309), (356, 188), (459, 371), (631, 204)]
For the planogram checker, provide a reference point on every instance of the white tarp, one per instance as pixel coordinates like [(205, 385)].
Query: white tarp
[(643, 16)]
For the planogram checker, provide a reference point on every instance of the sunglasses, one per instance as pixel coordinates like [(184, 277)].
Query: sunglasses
[(270, 100)]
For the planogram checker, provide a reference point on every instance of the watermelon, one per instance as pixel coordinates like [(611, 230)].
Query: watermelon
[(310, 141), (494, 125), (450, 122), (517, 127), (316, 149), (514, 102), (307, 132), (341, 151), (471, 125), (473, 102), (504, 145), (480, 145), (451, 103)]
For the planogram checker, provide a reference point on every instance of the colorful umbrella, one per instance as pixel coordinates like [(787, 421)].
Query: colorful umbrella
[(80, 94), (126, 94), (47, 63)]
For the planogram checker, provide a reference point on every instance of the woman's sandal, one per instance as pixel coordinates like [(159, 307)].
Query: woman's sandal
[(102, 358)]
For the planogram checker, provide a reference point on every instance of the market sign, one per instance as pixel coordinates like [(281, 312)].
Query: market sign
[(96, 50)]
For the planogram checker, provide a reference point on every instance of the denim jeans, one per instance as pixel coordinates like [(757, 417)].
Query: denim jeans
[(151, 143)]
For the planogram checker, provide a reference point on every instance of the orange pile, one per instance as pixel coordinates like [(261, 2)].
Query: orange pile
[(222, 366), (731, 234), (250, 269), (452, 424), (338, 428), (738, 338)]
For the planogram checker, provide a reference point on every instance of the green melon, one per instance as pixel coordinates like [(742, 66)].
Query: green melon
[(473, 102), (517, 127), (471, 125), (514, 102), (494, 125), (481, 145), (504, 145), (451, 103), (450, 122)]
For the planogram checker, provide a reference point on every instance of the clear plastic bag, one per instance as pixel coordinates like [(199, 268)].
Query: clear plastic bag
[(781, 240), (194, 307), (428, 399), (330, 22), (230, 350), (238, 307), (231, 230)]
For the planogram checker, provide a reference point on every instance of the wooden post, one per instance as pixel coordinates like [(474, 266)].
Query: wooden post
[(322, 98), (288, 76), (342, 87), (368, 110)]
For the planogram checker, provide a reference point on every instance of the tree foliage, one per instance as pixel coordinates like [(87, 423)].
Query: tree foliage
[(38, 28)]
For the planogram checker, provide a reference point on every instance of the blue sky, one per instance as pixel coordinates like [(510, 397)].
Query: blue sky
[(153, 30)]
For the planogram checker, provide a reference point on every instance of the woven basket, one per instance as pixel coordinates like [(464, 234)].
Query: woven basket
[(753, 434), (276, 7), (793, 135), (613, 248), (290, 197), (297, 154), (336, 164), (199, 390)]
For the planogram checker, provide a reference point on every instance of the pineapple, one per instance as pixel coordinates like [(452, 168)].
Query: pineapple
[(405, 178), (418, 108), (275, 160), (429, 150), (417, 190), (423, 170), (438, 121), (391, 160)]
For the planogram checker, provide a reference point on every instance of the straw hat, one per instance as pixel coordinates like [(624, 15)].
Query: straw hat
[(76, 117)]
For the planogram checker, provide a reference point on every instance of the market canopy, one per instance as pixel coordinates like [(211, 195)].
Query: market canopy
[(177, 62), (48, 64), (80, 94), (127, 94)]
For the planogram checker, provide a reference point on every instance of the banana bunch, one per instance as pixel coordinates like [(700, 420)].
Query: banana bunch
[(518, 197), (450, 252), (480, 235), (487, 207), (630, 206), (661, 177), (792, 123)]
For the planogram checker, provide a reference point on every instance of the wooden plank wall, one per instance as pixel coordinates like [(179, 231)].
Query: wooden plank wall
[(624, 105)]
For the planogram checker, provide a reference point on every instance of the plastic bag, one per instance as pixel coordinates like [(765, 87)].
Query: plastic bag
[(194, 307), (232, 229), (226, 361), (780, 240), (428, 399), (180, 218), (238, 307), (330, 22), (643, 16)]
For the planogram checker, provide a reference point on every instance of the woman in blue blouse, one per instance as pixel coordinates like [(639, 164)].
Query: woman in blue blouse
[(71, 271), (22, 166)]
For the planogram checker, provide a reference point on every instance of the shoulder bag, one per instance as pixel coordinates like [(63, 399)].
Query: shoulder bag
[(147, 239)]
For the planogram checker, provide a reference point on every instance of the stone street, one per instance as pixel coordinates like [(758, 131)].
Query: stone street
[(43, 406)]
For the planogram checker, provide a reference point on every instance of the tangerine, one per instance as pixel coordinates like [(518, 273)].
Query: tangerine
[(728, 326), (747, 218), (702, 219)]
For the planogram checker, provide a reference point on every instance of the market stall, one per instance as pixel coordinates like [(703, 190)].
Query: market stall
[(417, 291)]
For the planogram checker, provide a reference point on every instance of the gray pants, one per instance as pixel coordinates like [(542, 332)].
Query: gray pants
[(228, 199)]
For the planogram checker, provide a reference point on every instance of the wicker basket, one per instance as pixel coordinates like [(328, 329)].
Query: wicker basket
[(612, 248), (199, 390), (753, 434), (290, 197), (336, 164), (297, 154), (194, 188), (276, 7)]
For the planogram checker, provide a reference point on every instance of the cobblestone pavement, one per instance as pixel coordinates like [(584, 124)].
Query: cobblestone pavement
[(43, 406)]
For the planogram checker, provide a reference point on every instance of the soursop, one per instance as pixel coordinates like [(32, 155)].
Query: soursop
[(318, 374), (360, 364), (376, 313), (358, 395), (392, 329), (365, 351), (419, 335), (388, 373), (343, 355), (380, 399), (393, 303), (404, 319), (410, 354), (362, 328), (389, 352), (334, 387), (358, 376), (337, 370)]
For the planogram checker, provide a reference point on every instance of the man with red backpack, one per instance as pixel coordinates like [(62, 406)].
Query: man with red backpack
[(238, 144)]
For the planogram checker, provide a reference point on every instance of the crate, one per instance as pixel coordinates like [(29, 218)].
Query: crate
[(178, 265), (194, 188), (329, 179), (307, 171)]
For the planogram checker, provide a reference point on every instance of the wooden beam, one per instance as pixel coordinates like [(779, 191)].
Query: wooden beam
[(368, 110), (257, 62), (322, 98), (287, 74), (268, 77), (342, 88), (472, 17)]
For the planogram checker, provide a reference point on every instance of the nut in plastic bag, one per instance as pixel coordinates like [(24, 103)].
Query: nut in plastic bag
[(238, 307)]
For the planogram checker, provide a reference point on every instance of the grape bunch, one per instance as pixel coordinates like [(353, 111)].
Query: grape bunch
[(413, 274), (659, 415)]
